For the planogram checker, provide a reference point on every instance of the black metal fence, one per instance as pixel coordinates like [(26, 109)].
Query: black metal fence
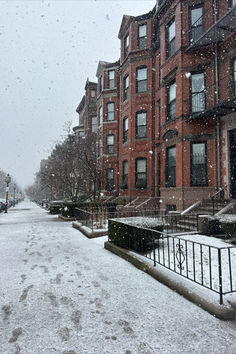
[(84, 217), (177, 223), (95, 219), (209, 266)]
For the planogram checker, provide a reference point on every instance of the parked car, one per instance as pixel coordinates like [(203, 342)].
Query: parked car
[(2, 205)]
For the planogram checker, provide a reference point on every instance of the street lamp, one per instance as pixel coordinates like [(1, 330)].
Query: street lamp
[(14, 195), (7, 180)]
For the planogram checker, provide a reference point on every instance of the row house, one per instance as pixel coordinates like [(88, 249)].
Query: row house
[(172, 99), (87, 110), (108, 116), (195, 100)]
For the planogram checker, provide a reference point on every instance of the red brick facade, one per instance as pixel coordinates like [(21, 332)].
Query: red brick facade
[(175, 84)]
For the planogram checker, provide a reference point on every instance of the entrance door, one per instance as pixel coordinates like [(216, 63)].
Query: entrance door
[(232, 155)]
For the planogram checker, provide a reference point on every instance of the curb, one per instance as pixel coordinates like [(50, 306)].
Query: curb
[(65, 219), (220, 311), (88, 234)]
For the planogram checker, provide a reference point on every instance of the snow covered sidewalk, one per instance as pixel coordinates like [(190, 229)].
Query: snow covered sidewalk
[(63, 293)]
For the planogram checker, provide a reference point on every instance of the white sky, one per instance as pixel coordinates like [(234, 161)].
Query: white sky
[(48, 49)]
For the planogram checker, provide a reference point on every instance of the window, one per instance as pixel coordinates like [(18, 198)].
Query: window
[(111, 79), (198, 99), (198, 164), (92, 185), (93, 94), (170, 207), (170, 39), (100, 84), (126, 88), (141, 173), (141, 80), (171, 101), (110, 144), (100, 115), (142, 36), (125, 174), (94, 123), (196, 26), (81, 134), (110, 111), (141, 125), (125, 129), (232, 3), (126, 46), (234, 77), (110, 179), (171, 166)]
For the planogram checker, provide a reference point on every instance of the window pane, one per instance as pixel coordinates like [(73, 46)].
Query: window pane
[(110, 107), (142, 74), (125, 167), (198, 165), (141, 166), (94, 124), (172, 92), (126, 124), (171, 167), (110, 173), (141, 118), (110, 139), (141, 131), (111, 74), (198, 102), (172, 31), (93, 93), (196, 16), (110, 111), (142, 30), (198, 82)]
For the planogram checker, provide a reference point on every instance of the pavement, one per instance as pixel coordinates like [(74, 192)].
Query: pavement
[(63, 293)]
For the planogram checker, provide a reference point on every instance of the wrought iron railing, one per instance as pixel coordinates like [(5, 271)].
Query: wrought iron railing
[(209, 266), (218, 199), (84, 217), (97, 219), (177, 223)]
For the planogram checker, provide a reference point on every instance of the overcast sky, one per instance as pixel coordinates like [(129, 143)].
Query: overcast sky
[(48, 49)]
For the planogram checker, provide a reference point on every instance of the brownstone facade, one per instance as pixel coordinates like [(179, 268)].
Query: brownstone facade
[(173, 129)]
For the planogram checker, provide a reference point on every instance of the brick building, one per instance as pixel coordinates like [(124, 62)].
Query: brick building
[(172, 101)]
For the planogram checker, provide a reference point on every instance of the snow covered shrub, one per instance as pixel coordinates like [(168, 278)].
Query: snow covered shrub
[(209, 225), (228, 228), (55, 209), (136, 238)]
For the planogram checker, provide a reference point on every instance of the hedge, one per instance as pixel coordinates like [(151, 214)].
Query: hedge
[(135, 238), (228, 228)]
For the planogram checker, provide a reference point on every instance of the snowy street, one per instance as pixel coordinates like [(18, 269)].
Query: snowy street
[(63, 293)]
